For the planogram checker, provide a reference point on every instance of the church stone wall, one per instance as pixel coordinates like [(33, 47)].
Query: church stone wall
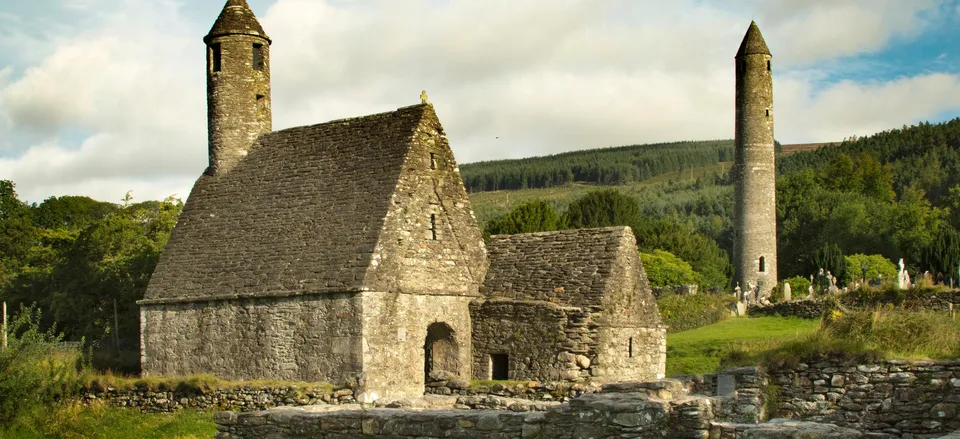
[(395, 334), (299, 338), (544, 341)]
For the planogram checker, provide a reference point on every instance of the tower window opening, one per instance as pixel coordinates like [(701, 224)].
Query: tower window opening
[(433, 161), (763, 265), (433, 226), (261, 107), (768, 112), (258, 56), (630, 348), (215, 61), (768, 65)]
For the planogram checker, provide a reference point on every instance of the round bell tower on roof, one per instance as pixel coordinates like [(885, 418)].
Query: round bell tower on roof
[(238, 86)]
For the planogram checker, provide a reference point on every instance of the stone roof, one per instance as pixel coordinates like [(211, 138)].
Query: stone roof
[(753, 43), (236, 18), (301, 214), (569, 267)]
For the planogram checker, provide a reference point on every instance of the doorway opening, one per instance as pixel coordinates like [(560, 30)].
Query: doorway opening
[(499, 367), (441, 354)]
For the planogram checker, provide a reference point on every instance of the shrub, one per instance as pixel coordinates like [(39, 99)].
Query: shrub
[(680, 312), (36, 369), (664, 269), (877, 265), (799, 286)]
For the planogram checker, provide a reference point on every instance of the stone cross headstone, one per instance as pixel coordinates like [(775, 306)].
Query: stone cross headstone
[(726, 386), (738, 292), (787, 293)]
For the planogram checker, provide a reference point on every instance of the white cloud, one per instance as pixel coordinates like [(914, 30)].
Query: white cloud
[(543, 76)]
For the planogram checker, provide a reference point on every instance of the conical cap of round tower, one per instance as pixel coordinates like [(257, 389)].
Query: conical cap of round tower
[(236, 18), (753, 43)]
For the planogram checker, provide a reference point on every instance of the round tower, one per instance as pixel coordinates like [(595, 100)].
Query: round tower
[(238, 85), (755, 198)]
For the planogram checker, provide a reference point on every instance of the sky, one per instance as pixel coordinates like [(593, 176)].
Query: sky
[(102, 97)]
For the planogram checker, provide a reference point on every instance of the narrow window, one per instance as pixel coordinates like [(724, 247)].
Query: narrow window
[(433, 226), (433, 161), (763, 265), (215, 57), (630, 348), (258, 56), (261, 106), (768, 65), (499, 367), (768, 112)]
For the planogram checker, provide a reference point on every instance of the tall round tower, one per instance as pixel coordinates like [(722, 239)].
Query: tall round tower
[(238, 85), (755, 198)]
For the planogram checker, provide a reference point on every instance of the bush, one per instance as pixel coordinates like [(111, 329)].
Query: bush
[(680, 312), (799, 286), (36, 369), (664, 269), (877, 265)]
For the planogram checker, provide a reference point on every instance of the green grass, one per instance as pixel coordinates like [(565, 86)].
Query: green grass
[(99, 421), (700, 350), (196, 383)]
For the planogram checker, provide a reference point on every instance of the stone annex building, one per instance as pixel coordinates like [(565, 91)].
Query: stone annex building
[(347, 252)]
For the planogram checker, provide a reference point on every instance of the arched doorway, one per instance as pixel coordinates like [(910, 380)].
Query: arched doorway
[(441, 353)]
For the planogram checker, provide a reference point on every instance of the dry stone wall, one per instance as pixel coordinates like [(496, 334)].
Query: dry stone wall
[(901, 399), (812, 309)]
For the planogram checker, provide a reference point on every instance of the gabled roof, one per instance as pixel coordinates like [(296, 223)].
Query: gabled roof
[(236, 18), (753, 42), (301, 214), (569, 267)]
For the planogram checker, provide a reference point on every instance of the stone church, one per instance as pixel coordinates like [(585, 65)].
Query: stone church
[(347, 252)]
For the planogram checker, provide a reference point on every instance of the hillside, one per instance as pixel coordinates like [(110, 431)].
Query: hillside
[(894, 194)]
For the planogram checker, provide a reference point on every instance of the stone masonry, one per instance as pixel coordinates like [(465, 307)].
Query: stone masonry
[(568, 305), (754, 173), (347, 252)]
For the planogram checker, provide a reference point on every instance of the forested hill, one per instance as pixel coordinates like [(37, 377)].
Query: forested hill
[(606, 166), (924, 156)]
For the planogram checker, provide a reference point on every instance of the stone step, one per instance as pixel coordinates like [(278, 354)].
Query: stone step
[(665, 389)]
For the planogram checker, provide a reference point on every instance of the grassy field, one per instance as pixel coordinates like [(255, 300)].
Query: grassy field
[(699, 350), (99, 421), (488, 205)]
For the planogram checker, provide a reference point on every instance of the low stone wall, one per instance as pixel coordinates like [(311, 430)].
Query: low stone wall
[(920, 399), (242, 398), (535, 391), (806, 309), (813, 309), (644, 411)]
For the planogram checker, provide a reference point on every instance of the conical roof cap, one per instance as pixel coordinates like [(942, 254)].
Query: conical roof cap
[(236, 19), (753, 43)]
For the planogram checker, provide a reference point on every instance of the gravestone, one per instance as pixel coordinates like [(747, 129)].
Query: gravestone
[(787, 293), (726, 385)]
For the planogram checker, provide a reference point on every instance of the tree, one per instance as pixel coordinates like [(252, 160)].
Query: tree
[(664, 269), (535, 216), (830, 259), (603, 208), (17, 232), (877, 266)]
